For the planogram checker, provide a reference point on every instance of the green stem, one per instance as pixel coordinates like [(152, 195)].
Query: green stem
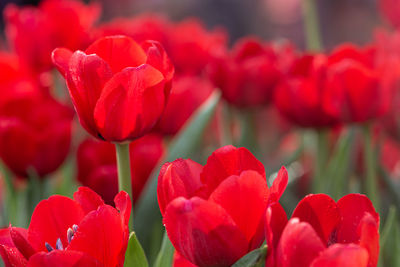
[(311, 25), (124, 173), (10, 204), (371, 185), (226, 120), (248, 137), (319, 181)]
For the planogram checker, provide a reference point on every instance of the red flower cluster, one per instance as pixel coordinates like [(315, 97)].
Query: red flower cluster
[(118, 87), (343, 87), (324, 233), (97, 167), (214, 214), (34, 32), (65, 232)]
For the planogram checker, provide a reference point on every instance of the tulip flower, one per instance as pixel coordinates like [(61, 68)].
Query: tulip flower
[(390, 11), (248, 75), (97, 165), (33, 32), (70, 232), (187, 94), (212, 213), (324, 233), (118, 87)]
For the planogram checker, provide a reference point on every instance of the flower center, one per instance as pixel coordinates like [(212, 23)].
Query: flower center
[(59, 246)]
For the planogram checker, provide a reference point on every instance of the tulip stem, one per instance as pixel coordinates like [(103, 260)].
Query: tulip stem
[(124, 173), (226, 120), (371, 185), (322, 153), (311, 25)]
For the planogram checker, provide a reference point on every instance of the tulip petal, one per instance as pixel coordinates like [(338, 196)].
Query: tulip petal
[(227, 161), (180, 261), (299, 245), (51, 219), (63, 258), (203, 232), (353, 208), (123, 204), (86, 78), (118, 51), (12, 257), (368, 230), (88, 199), (279, 185), (275, 222), (245, 199), (60, 58), (19, 238), (180, 178), (321, 212), (348, 255), (130, 104), (102, 235)]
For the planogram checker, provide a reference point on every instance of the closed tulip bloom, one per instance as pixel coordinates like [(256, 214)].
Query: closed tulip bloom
[(213, 213), (97, 165), (390, 10), (323, 232), (118, 87), (33, 32), (247, 75), (70, 232)]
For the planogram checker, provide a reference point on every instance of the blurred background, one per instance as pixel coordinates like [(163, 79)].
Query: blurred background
[(341, 20)]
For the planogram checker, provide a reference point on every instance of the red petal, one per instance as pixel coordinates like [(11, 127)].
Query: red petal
[(123, 203), (88, 199), (118, 51), (342, 255), (368, 230), (227, 161), (86, 78), (275, 222), (130, 104), (21, 243), (51, 219), (203, 232), (279, 185), (353, 208), (63, 258), (102, 235), (180, 178), (12, 257), (180, 261), (5, 237), (321, 212), (60, 58), (299, 245), (244, 198)]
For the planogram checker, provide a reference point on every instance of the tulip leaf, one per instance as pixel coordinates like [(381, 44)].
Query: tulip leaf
[(390, 240), (134, 255), (164, 257), (254, 258), (182, 146)]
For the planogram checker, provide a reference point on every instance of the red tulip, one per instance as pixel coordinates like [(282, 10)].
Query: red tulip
[(119, 88), (354, 85), (299, 95), (192, 48), (324, 233), (187, 94), (212, 214), (71, 232), (248, 75), (34, 32), (97, 167), (35, 130), (390, 10)]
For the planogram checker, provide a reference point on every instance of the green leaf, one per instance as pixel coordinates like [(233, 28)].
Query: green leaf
[(164, 257), (134, 255), (182, 146), (253, 258)]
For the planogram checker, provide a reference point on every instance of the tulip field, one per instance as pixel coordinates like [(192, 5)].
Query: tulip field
[(162, 140)]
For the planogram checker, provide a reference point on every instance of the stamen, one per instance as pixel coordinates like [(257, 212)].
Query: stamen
[(70, 235), (59, 245), (48, 247), (75, 228)]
